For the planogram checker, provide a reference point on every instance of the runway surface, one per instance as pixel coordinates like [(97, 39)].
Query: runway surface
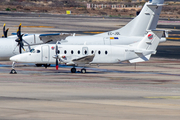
[(149, 90)]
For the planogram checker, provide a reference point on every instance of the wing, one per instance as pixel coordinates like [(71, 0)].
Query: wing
[(84, 60), (54, 37)]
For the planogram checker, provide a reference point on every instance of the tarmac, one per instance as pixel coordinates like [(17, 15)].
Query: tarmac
[(148, 90)]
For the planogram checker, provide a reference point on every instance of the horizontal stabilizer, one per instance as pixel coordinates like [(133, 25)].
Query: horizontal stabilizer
[(145, 52), (140, 59), (156, 4)]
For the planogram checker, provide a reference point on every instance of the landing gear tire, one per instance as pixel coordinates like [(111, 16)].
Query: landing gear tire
[(73, 70), (46, 65), (13, 71), (83, 70), (38, 65)]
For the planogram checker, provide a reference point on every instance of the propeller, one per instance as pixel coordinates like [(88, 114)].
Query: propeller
[(56, 51), (5, 31), (19, 39)]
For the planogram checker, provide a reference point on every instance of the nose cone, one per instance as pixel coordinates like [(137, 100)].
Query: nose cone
[(19, 58), (15, 58)]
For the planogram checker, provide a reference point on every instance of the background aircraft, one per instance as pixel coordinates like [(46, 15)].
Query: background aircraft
[(80, 55), (14, 44)]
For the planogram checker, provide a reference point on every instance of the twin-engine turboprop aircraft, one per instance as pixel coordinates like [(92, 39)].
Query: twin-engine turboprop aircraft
[(80, 55)]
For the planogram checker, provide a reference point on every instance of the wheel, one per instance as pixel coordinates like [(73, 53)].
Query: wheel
[(83, 70), (13, 71), (38, 65), (73, 70), (45, 65), (48, 65)]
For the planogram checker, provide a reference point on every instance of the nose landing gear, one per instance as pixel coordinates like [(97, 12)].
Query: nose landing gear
[(13, 71)]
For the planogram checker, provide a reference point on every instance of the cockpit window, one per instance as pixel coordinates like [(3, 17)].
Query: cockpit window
[(38, 51), (32, 50)]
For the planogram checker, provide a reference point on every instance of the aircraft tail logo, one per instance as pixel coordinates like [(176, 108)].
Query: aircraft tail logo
[(52, 47), (150, 36)]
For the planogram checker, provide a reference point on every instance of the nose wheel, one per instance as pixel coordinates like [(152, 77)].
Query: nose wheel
[(13, 71)]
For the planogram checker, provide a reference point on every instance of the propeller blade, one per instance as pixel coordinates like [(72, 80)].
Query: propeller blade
[(56, 51), (57, 64), (19, 39), (20, 49), (19, 30), (5, 31)]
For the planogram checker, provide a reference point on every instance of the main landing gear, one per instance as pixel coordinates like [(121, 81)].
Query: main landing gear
[(73, 70), (13, 71), (83, 70), (45, 65)]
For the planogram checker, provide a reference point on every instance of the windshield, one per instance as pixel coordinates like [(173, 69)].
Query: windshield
[(32, 50), (35, 51)]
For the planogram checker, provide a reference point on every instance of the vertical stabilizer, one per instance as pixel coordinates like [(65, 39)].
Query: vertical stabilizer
[(146, 20), (147, 46), (151, 40)]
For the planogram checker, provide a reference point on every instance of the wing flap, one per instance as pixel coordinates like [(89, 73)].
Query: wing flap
[(54, 37), (85, 59)]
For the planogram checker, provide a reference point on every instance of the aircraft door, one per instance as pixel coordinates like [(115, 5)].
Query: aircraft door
[(45, 53), (107, 41), (85, 50)]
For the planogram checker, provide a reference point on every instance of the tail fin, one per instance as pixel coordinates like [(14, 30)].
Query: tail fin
[(147, 46), (146, 20), (151, 40)]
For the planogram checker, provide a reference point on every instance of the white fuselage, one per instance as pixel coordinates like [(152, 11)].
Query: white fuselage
[(43, 54)]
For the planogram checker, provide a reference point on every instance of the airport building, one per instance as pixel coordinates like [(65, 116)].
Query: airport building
[(118, 0)]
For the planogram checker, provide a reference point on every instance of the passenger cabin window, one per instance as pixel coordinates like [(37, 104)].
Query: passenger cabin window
[(58, 52), (106, 52), (85, 52), (78, 51), (92, 52), (99, 52), (72, 51), (65, 51)]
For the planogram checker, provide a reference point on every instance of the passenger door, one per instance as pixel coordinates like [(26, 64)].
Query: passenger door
[(107, 41), (45, 53)]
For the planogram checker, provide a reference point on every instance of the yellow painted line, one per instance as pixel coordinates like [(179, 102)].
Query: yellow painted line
[(94, 32), (37, 26), (174, 34), (173, 38), (164, 97)]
